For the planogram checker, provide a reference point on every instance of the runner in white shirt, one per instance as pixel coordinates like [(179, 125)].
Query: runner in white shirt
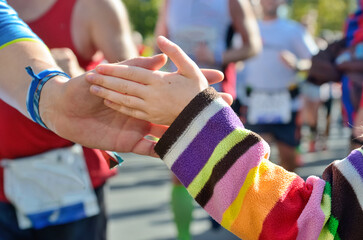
[(272, 108), (200, 28)]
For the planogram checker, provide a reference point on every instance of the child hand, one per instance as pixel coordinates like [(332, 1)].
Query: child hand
[(155, 96)]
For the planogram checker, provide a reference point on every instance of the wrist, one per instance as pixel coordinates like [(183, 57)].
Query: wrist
[(50, 100), (35, 91)]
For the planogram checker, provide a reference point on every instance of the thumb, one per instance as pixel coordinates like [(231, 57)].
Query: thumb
[(213, 76), (226, 97)]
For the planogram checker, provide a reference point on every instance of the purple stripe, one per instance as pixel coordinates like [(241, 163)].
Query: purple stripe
[(196, 155), (356, 159)]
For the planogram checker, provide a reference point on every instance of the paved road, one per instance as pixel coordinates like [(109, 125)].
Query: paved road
[(138, 197)]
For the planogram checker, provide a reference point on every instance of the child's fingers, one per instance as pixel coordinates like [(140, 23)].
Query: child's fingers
[(145, 147), (152, 63), (129, 111), (184, 64), (158, 130), (226, 97), (213, 76), (117, 98), (118, 84), (135, 74)]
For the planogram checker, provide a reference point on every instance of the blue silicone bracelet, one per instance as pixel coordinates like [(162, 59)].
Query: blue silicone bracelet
[(35, 88)]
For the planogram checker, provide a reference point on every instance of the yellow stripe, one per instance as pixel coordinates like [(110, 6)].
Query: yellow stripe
[(269, 186), (232, 212), (19, 40), (326, 208), (326, 234), (219, 152)]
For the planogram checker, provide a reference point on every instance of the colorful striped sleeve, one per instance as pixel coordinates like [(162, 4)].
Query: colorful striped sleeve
[(13, 29), (225, 167)]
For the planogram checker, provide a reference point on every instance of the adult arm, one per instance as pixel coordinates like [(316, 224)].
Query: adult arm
[(66, 106), (161, 28), (19, 47), (245, 24), (109, 29)]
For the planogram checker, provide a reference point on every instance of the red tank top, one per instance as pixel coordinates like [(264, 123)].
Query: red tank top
[(19, 136), (54, 28)]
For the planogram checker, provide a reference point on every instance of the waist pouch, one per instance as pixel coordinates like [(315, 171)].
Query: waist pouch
[(50, 188)]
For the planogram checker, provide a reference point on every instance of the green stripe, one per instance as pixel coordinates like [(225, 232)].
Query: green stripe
[(219, 152), (333, 224), (19, 40), (326, 208), (326, 202), (337, 237)]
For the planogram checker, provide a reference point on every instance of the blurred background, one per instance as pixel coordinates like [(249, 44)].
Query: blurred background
[(138, 198)]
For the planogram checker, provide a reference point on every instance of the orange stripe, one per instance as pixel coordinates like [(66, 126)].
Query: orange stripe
[(260, 199)]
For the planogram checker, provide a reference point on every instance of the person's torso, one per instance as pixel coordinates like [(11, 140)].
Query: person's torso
[(267, 71), (56, 29), (192, 22), (21, 137)]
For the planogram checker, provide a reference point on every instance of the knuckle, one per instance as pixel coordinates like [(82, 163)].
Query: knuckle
[(127, 100), (125, 87), (130, 74)]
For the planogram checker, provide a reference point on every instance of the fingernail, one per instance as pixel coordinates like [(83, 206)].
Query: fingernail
[(95, 89), (90, 77), (100, 68)]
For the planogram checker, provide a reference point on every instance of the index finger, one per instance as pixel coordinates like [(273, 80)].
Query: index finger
[(132, 73), (185, 65)]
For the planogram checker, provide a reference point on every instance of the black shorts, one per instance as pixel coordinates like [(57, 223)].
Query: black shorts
[(288, 133)]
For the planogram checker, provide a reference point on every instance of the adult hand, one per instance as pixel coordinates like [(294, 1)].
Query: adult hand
[(323, 68), (357, 128), (289, 59), (76, 114), (204, 55)]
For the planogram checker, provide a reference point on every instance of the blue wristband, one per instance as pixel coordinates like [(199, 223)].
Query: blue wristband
[(35, 88)]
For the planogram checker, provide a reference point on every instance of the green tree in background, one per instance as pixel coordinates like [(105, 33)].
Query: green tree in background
[(143, 15), (331, 13)]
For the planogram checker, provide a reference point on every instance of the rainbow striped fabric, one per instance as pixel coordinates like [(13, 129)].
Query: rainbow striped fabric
[(225, 167)]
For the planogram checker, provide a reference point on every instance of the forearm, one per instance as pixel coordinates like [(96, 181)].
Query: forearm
[(245, 52), (245, 25), (114, 41), (15, 81)]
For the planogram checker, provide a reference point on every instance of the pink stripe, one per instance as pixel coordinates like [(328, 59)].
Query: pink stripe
[(311, 220), (227, 189)]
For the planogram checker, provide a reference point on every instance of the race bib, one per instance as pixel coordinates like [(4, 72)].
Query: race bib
[(50, 188), (269, 107)]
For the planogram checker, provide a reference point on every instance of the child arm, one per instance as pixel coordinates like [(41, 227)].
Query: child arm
[(225, 167)]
